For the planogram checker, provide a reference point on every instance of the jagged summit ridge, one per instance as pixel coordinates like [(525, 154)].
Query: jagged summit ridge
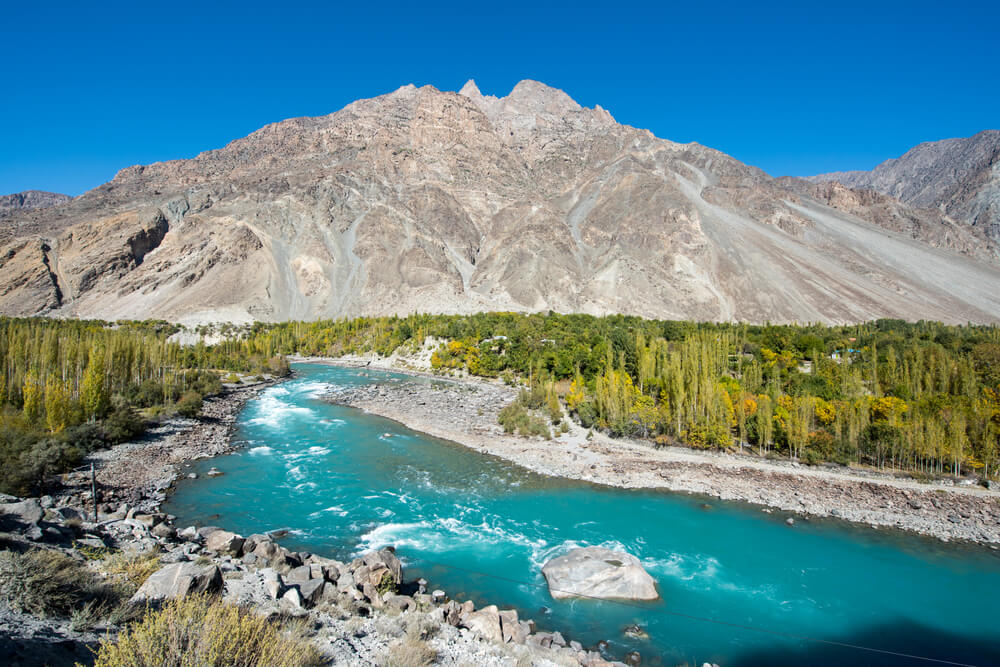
[(423, 200)]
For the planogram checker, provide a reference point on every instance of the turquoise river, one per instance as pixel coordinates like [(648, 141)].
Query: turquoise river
[(738, 586)]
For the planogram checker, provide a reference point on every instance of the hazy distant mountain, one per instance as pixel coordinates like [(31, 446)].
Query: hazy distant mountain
[(29, 199), (422, 200), (960, 177)]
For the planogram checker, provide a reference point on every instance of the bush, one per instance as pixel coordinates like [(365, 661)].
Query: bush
[(189, 404), (49, 583), (201, 631), (132, 567), (123, 424), (411, 653), (515, 418)]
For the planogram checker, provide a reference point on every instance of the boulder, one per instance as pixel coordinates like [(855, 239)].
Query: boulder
[(312, 590), (26, 511), (179, 580), (599, 573), (486, 623), (224, 542), (293, 597), (190, 534), (164, 531), (299, 574), (400, 602), (511, 627)]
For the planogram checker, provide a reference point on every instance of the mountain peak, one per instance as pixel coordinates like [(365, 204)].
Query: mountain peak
[(470, 89)]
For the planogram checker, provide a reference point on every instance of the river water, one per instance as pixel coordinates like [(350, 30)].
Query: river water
[(738, 586)]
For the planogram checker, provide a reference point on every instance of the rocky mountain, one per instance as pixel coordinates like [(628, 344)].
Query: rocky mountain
[(432, 201), (29, 199), (959, 177)]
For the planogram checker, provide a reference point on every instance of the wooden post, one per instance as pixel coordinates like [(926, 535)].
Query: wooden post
[(93, 489)]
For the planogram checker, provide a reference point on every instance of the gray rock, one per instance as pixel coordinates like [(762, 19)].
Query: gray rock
[(224, 542), (293, 597), (485, 623), (190, 534), (26, 511), (312, 590), (299, 574), (400, 602), (511, 627), (179, 580), (164, 531), (600, 573)]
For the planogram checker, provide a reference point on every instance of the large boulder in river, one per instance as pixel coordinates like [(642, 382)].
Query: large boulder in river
[(179, 580), (597, 572)]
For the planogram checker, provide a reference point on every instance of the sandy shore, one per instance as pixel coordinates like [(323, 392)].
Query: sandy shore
[(465, 411)]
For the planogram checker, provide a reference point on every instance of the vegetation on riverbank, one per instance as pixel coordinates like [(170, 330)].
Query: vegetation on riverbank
[(69, 387), (922, 397)]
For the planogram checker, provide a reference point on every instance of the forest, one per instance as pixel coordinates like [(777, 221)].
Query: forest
[(918, 397)]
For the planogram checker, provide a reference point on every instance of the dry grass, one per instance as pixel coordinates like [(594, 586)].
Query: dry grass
[(131, 567), (49, 583), (200, 631), (411, 653)]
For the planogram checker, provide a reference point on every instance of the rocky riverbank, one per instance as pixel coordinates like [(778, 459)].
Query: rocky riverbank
[(465, 411), (360, 613)]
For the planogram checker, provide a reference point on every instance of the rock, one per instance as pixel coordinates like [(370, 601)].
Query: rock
[(635, 632), (299, 574), (224, 542), (633, 658), (179, 580), (91, 542), (400, 602), (26, 511), (345, 582), (511, 627), (67, 513), (148, 520), (790, 521), (190, 534), (164, 531), (438, 596), (293, 597), (312, 590), (214, 472), (485, 623), (205, 531), (373, 595), (600, 573)]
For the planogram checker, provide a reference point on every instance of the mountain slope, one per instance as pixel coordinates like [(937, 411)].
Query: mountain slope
[(423, 200), (960, 177)]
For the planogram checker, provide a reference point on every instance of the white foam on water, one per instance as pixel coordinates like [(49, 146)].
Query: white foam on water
[(332, 509), (296, 473), (273, 412), (316, 389), (318, 451), (260, 451), (304, 486)]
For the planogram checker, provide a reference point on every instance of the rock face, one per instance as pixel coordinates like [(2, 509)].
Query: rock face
[(597, 572), (960, 177), (431, 201), (179, 580), (30, 199)]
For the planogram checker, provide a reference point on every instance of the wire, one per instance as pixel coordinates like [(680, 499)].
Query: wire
[(741, 626)]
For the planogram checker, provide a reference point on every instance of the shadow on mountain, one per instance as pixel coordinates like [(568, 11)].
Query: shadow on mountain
[(912, 643)]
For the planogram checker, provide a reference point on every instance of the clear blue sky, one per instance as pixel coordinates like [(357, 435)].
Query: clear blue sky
[(794, 88)]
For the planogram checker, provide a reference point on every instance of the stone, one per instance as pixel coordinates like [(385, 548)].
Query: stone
[(267, 551), (293, 597), (485, 623), (224, 542), (214, 472), (400, 602), (599, 573), (345, 582), (26, 511), (438, 596), (91, 542), (164, 531), (179, 580), (312, 590), (67, 513), (373, 595), (635, 632), (299, 574), (633, 658), (790, 521), (190, 534), (511, 627), (205, 531), (148, 520)]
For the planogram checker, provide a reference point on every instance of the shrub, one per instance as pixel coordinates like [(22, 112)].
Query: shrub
[(123, 424), (132, 567), (201, 631), (411, 653), (189, 404), (48, 583)]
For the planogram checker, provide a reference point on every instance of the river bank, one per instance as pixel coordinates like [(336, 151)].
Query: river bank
[(352, 623), (465, 411)]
